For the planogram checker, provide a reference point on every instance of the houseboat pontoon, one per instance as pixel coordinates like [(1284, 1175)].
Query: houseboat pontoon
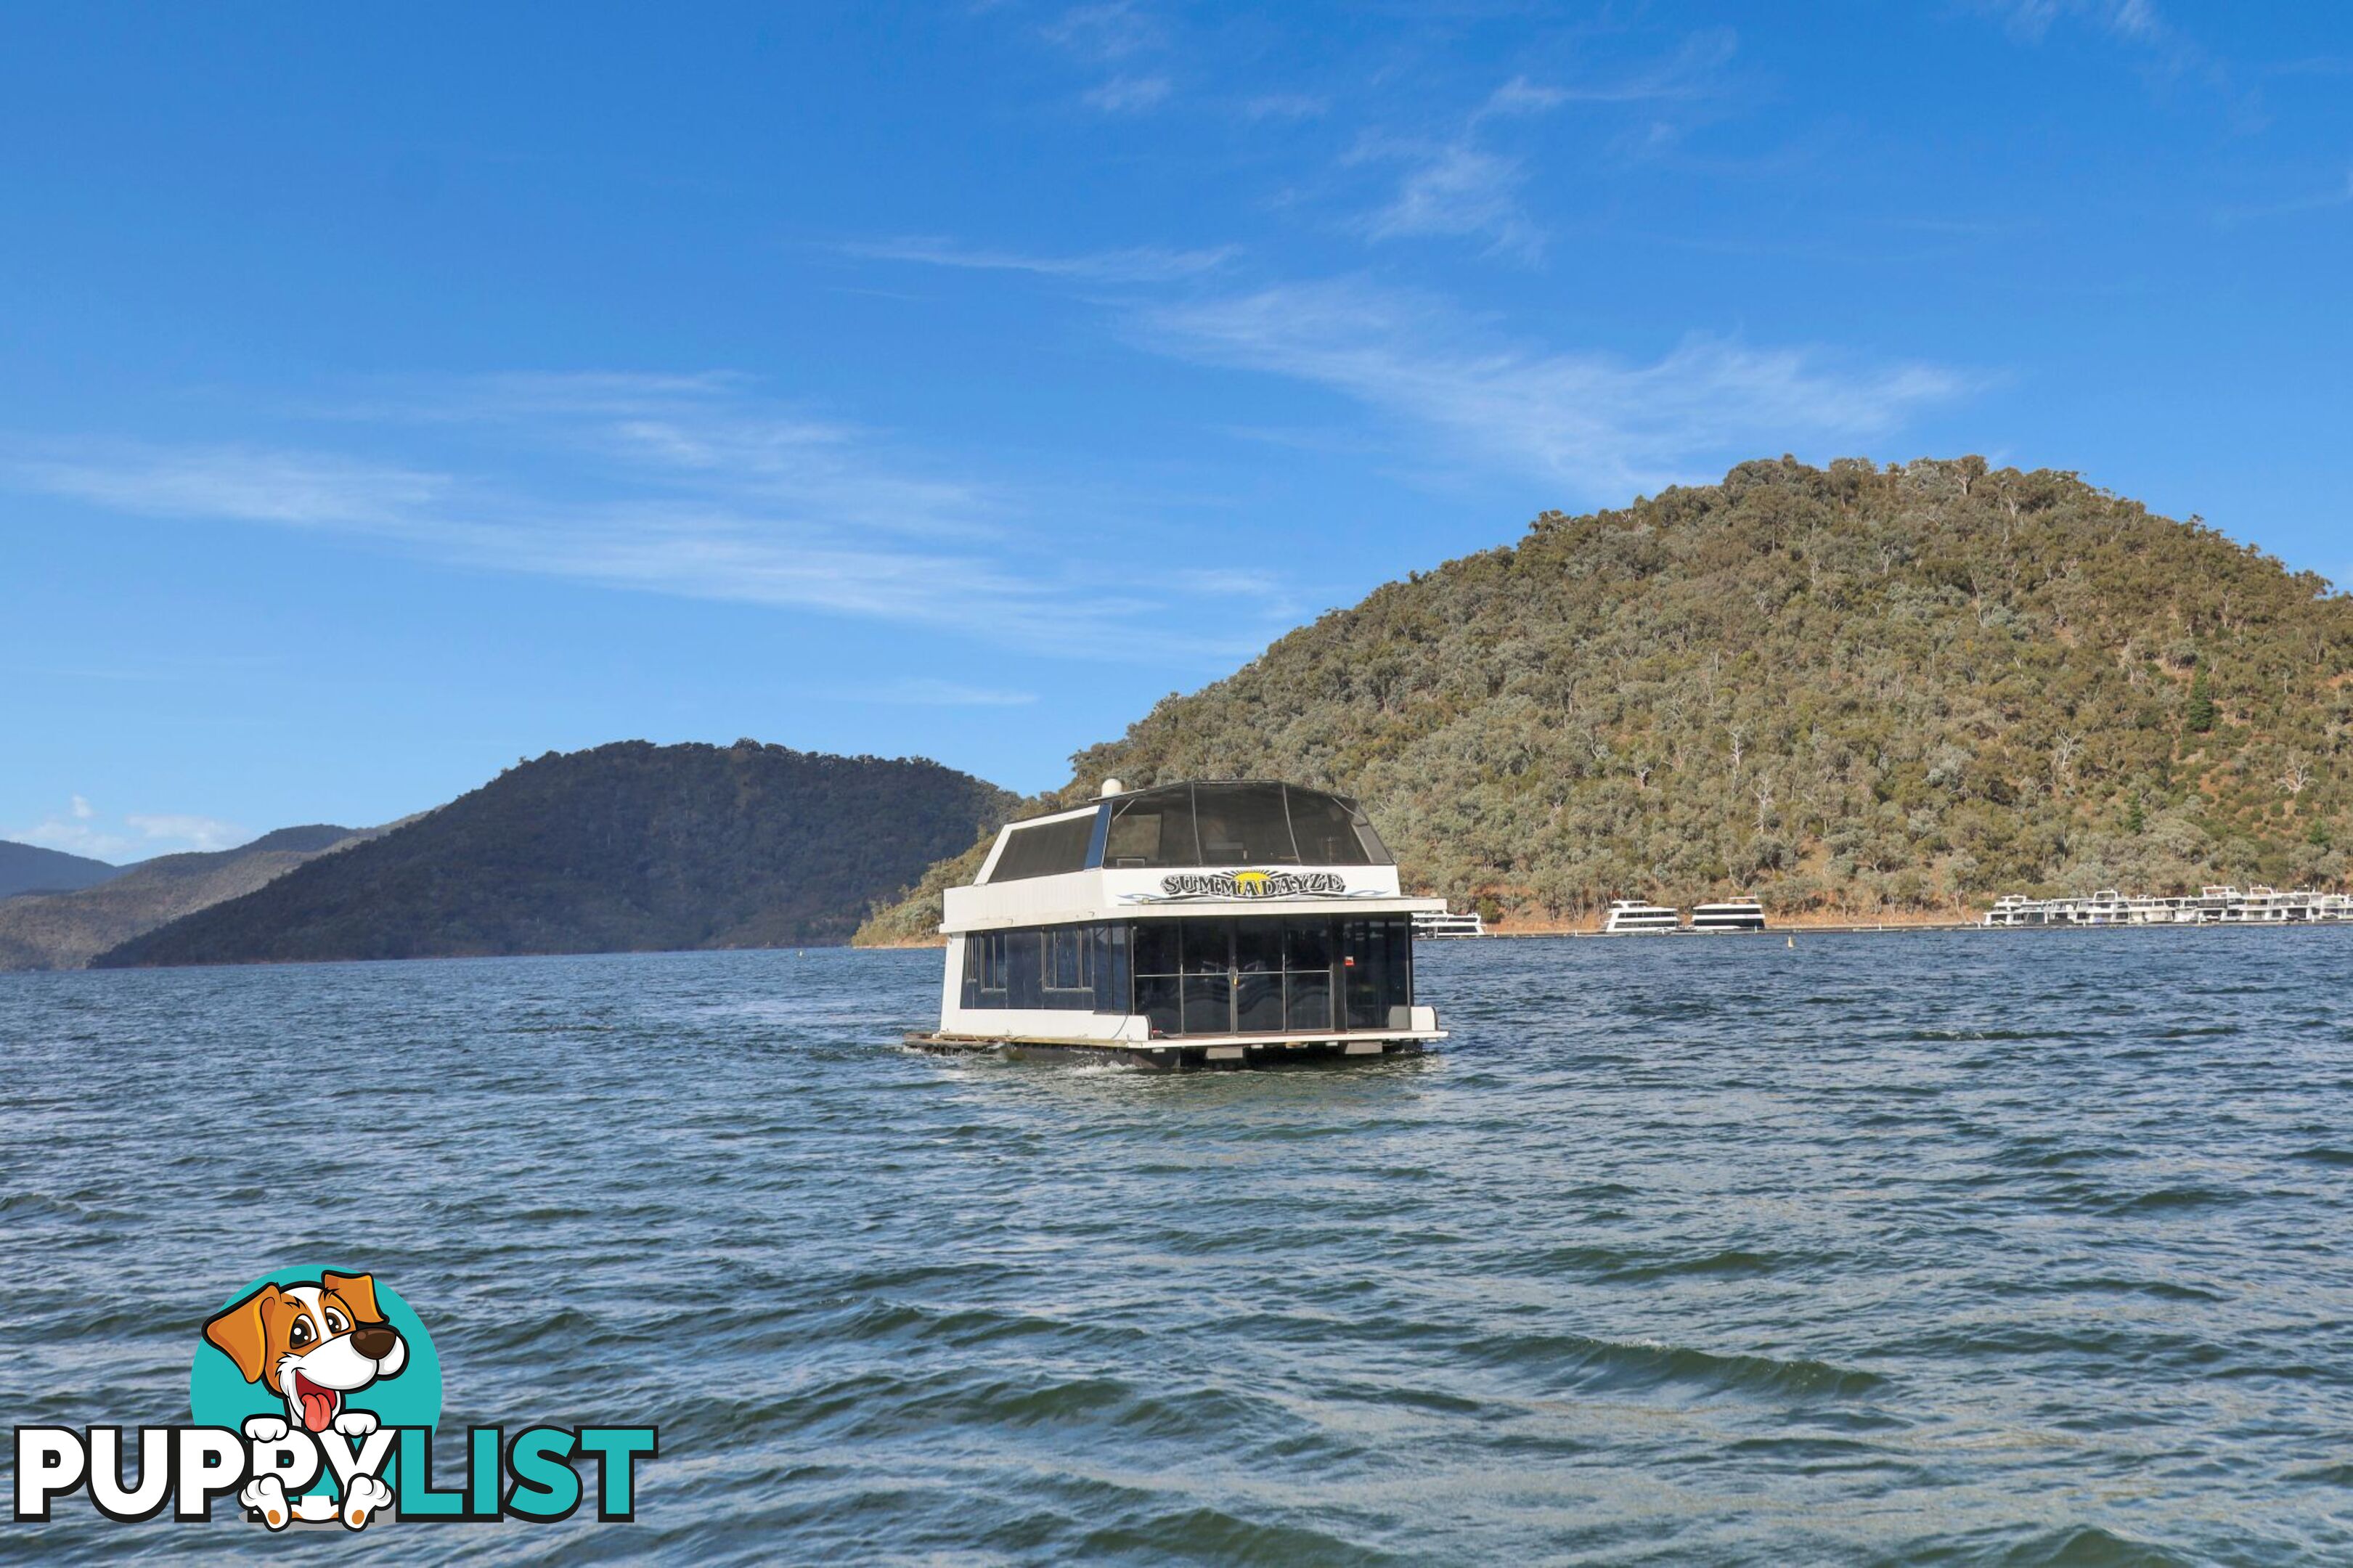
[(1731, 914), (1211, 924), (1628, 917)]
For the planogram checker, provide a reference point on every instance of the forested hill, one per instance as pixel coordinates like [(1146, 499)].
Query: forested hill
[(65, 931), (1858, 689), (29, 868), (627, 848)]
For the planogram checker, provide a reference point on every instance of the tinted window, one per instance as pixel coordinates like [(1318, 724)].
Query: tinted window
[(1307, 945), (1377, 960), (1308, 1000), (1258, 1004), (1243, 825), (1066, 959), (1153, 827), (1257, 945), (1157, 997), (1046, 850), (1110, 961), (1324, 827), (1156, 948), (1237, 824), (1208, 950), (1208, 1004)]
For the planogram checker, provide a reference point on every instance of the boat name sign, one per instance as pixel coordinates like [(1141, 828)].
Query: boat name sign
[(1253, 885)]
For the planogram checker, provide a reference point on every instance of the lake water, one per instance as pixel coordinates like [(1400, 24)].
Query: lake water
[(1969, 1249)]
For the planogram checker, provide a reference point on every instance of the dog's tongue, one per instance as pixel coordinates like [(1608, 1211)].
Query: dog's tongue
[(318, 1407)]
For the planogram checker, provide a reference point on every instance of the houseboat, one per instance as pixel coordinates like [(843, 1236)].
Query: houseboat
[(1188, 925), (1630, 917), (1445, 922), (1731, 914)]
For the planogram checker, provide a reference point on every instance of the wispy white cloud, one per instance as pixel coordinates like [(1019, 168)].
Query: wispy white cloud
[(1287, 106), (2168, 52), (305, 489), (1114, 30), (1456, 182), (1600, 423), (1453, 188), (82, 829), (1693, 73), (920, 692), (1127, 94), (1115, 36), (688, 486), (194, 832), (1132, 264), (2136, 20)]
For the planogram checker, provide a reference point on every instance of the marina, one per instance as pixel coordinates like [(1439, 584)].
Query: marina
[(2258, 905), (1228, 924)]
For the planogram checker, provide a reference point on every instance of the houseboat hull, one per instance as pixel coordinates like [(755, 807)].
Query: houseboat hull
[(1192, 1054)]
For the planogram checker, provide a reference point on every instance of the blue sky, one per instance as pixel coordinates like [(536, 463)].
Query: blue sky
[(388, 394)]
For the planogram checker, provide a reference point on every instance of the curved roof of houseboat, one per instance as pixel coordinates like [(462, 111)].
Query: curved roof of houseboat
[(1192, 824)]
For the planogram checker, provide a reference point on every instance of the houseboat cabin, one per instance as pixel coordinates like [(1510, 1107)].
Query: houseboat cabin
[(1633, 916), (1731, 914), (1187, 925)]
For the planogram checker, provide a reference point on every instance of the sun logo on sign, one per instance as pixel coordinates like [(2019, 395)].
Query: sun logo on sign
[(1250, 884)]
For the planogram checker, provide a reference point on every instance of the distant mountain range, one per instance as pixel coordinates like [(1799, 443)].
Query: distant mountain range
[(627, 848), (29, 869), (66, 930), (1851, 689)]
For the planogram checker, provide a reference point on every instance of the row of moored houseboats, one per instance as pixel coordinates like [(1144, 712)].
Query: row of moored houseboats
[(2212, 906), (1633, 917)]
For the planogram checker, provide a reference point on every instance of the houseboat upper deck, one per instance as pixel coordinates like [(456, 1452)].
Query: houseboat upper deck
[(1192, 924)]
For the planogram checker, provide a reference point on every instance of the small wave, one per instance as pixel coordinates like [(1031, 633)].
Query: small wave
[(2166, 1198), (1594, 1363), (1732, 1262), (1213, 1535), (2073, 1546), (2163, 1289)]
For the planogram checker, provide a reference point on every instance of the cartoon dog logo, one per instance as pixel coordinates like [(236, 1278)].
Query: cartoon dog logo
[(311, 1345)]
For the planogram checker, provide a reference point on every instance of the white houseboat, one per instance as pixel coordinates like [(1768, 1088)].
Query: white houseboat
[(1185, 925), (1731, 914), (1445, 922), (1628, 917)]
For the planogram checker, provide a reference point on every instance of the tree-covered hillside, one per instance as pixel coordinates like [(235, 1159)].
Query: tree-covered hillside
[(627, 848), (1858, 689)]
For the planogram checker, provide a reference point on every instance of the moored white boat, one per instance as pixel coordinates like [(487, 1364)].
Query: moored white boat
[(1632, 917), (1728, 915)]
